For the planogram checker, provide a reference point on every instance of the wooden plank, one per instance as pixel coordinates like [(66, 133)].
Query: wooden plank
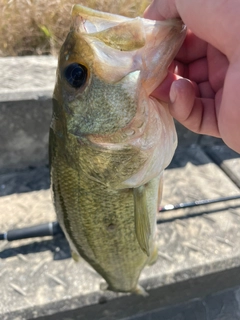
[(38, 278), (227, 159)]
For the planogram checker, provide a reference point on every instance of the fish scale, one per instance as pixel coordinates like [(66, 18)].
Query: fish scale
[(110, 141), (90, 230)]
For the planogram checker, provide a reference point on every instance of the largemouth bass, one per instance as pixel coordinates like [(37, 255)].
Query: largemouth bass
[(110, 141)]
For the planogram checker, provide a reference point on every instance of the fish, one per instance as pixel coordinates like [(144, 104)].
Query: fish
[(110, 141)]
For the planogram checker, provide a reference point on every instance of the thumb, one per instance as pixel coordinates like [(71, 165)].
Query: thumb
[(161, 10), (197, 114), (182, 96)]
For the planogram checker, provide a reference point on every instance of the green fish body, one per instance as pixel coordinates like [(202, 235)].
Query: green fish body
[(110, 141)]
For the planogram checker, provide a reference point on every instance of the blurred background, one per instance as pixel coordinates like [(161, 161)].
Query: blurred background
[(38, 27)]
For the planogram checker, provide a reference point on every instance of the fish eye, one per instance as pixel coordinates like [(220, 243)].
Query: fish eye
[(76, 75)]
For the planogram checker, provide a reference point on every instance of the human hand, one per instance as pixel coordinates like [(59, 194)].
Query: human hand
[(203, 83)]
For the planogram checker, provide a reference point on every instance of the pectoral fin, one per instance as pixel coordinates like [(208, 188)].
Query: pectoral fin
[(142, 223)]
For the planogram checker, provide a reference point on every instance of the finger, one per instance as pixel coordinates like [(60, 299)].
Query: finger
[(213, 21), (198, 70), (228, 108), (178, 68), (161, 10), (198, 115), (192, 48), (206, 90), (217, 66), (162, 91)]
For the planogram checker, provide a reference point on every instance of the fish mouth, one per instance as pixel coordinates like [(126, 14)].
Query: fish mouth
[(134, 44), (87, 20)]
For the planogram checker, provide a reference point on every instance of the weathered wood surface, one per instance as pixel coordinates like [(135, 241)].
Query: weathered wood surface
[(39, 278)]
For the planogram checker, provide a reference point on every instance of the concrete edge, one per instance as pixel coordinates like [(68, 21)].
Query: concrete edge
[(22, 95), (105, 305)]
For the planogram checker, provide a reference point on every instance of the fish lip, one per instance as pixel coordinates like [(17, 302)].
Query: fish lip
[(83, 19), (78, 9)]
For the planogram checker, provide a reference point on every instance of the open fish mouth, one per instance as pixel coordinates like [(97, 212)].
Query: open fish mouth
[(121, 42)]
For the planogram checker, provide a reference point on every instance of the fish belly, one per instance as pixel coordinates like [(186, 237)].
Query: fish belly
[(99, 223)]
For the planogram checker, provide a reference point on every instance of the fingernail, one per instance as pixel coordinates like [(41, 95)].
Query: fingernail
[(172, 93)]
